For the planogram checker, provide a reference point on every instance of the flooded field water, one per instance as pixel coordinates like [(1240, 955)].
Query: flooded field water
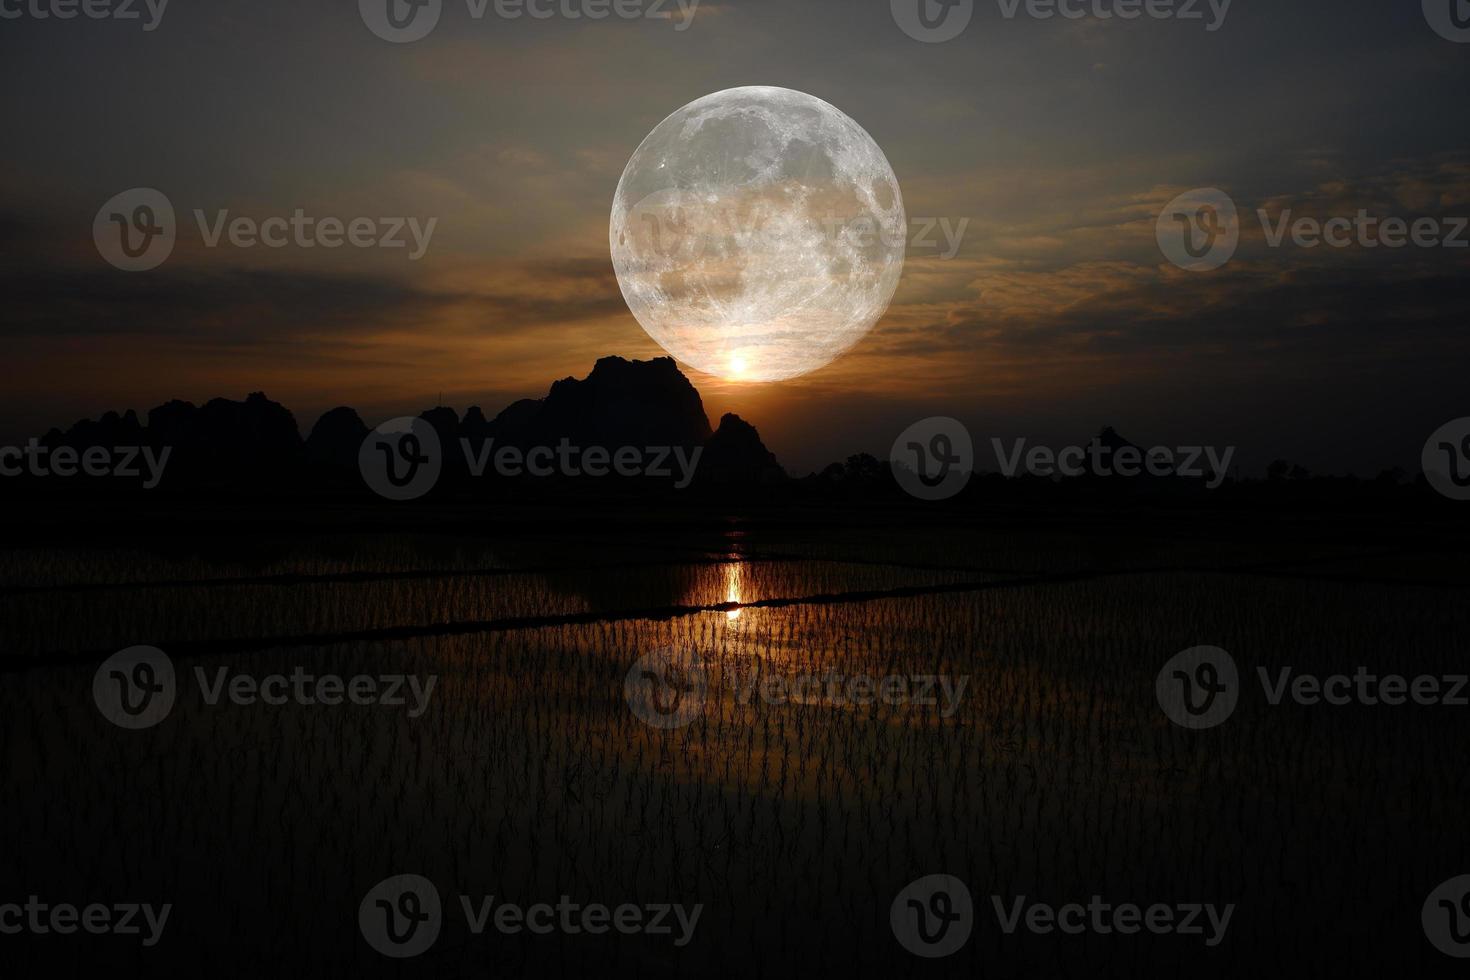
[(1019, 746)]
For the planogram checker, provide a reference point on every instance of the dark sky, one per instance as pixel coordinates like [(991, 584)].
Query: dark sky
[(1059, 140)]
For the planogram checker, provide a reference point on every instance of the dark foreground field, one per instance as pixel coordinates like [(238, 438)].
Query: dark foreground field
[(529, 776)]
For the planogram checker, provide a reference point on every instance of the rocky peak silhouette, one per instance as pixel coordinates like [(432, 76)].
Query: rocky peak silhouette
[(337, 437), (735, 454), (621, 403)]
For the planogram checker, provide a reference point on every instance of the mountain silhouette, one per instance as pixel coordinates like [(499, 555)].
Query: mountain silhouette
[(735, 454), (241, 440), (336, 438), (620, 403)]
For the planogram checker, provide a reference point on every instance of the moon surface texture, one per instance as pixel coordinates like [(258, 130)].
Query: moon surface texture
[(758, 233)]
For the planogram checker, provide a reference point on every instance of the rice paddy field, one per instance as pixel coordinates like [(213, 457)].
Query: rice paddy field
[(1049, 770)]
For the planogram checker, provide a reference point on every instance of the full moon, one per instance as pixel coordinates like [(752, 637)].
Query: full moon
[(758, 233)]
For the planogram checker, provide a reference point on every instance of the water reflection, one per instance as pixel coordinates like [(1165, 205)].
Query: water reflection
[(734, 573)]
